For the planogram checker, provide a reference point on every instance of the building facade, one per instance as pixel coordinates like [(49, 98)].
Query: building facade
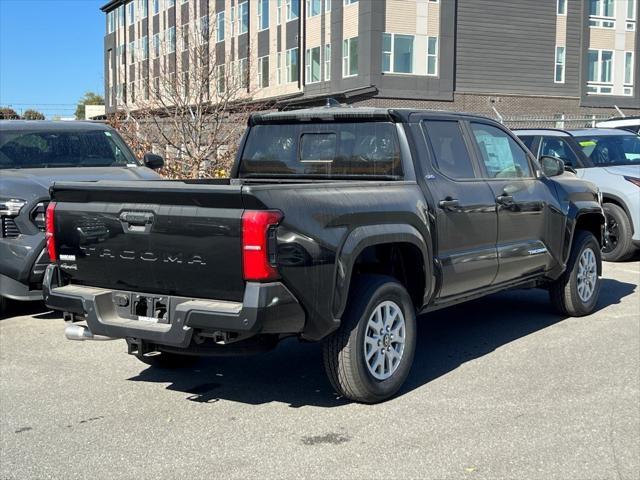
[(514, 57)]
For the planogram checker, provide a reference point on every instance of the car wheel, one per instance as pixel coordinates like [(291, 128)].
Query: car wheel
[(168, 360), (369, 357), (618, 245), (575, 293)]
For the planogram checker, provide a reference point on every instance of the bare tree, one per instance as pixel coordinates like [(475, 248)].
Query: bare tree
[(194, 106)]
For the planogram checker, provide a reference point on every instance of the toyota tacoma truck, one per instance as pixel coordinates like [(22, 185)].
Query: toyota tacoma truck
[(337, 225)]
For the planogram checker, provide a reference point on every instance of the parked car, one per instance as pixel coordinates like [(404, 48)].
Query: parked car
[(34, 154), (338, 225), (631, 124), (609, 158)]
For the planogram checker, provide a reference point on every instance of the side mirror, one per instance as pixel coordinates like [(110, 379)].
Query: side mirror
[(153, 161), (551, 166)]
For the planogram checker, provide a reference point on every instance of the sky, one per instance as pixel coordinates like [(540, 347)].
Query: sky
[(51, 53)]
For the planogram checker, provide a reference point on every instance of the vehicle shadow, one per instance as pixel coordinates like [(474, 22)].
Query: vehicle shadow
[(293, 373), (36, 309)]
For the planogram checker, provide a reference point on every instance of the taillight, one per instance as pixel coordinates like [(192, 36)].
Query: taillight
[(259, 244), (50, 231)]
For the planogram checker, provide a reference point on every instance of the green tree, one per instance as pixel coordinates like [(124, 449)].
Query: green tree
[(32, 115), (7, 113), (89, 98)]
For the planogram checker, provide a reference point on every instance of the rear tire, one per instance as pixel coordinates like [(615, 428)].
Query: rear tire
[(167, 360), (369, 357), (575, 293), (618, 245)]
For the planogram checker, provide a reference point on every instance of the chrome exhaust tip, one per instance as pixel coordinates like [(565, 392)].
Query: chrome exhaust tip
[(81, 333)]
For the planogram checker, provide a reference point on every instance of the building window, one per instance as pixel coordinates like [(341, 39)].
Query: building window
[(327, 6), (156, 45), (350, 57), (561, 7), (243, 18), (293, 9), (631, 16), (432, 56), (397, 53), (132, 52), (171, 39), (327, 62), (143, 8), (170, 3), (111, 21), (204, 28), (221, 83), (350, 2), (156, 7), (184, 44), (560, 63), (121, 16), (600, 72), (314, 8), (279, 13), (263, 72), (292, 65), (219, 26), (144, 47), (263, 14), (241, 73), (602, 13), (628, 73), (279, 68), (232, 21), (312, 65), (131, 13)]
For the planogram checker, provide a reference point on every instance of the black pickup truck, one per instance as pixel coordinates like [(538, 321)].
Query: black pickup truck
[(337, 225)]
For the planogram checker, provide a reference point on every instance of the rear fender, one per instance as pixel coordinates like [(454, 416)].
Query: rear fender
[(366, 236)]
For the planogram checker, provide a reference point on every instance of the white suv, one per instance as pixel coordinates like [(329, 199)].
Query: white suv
[(610, 158)]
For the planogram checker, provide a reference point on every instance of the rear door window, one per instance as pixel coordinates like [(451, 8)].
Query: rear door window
[(449, 149), (528, 141), (365, 149), (501, 154)]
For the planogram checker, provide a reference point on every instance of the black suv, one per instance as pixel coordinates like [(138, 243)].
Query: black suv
[(33, 155), (338, 225)]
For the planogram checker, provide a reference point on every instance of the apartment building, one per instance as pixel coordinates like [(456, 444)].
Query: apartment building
[(516, 56)]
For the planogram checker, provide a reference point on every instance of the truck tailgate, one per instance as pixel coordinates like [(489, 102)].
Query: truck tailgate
[(166, 237)]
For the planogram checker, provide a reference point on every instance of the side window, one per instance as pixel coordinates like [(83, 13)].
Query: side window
[(528, 141), (559, 148), (451, 155), (502, 156)]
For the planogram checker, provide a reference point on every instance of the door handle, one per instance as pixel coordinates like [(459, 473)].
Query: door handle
[(504, 199), (448, 203)]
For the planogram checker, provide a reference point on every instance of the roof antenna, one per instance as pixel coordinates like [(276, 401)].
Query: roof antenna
[(331, 102)]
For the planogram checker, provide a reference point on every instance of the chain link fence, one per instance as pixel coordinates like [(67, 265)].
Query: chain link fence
[(553, 121)]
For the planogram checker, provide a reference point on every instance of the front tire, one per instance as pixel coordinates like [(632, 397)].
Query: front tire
[(369, 357), (575, 293), (618, 245)]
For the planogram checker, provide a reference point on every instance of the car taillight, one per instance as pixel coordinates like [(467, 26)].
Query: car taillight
[(259, 244), (50, 231)]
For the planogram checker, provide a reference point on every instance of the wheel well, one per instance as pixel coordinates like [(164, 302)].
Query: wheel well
[(402, 261), (619, 203), (591, 222)]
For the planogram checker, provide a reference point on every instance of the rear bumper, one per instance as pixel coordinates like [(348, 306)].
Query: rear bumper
[(266, 308)]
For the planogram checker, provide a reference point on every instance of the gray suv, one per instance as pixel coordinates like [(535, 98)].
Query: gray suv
[(610, 158), (33, 155)]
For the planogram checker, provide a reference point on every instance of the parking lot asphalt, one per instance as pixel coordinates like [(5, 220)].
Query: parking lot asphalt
[(501, 388)]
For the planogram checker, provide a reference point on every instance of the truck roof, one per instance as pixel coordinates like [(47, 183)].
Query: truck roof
[(349, 113)]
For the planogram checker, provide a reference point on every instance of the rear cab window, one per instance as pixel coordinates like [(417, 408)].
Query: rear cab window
[(449, 149), (325, 150)]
